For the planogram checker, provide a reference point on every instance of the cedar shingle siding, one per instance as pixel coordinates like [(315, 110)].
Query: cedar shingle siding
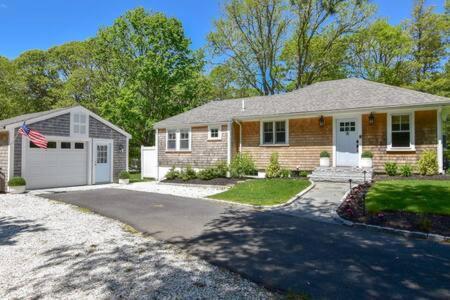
[(375, 139), (306, 140), (204, 153), (101, 131), (57, 126)]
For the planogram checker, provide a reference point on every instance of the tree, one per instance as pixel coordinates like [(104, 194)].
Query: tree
[(226, 85), (317, 45), (147, 72), (428, 31), (40, 80), (10, 89), (380, 53), (250, 37)]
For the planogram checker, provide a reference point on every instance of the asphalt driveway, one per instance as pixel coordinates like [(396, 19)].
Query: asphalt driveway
[(280, 251)]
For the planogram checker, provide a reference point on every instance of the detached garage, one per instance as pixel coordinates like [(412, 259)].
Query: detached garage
[(82, 148)]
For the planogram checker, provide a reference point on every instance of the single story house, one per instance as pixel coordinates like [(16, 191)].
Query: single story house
[(83, 148), (344, 117)]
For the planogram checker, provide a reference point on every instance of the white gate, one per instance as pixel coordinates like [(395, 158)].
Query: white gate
[(149, 163)]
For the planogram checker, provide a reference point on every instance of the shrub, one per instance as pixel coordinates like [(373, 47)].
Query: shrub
[(188, 173), (324, 154), (17, 181), (391, 168), (406, 170), (206, 174), (367, 154), (172, 174), (285, 173), (220, 169), (273, 169), (428, 164), (124, 175), (303, 174), (241, 165)]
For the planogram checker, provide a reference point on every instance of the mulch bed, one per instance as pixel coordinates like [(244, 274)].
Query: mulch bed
[(353, 209), (215, 181), (413, 177)]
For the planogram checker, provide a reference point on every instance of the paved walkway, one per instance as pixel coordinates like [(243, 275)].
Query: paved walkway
[(319, 203)]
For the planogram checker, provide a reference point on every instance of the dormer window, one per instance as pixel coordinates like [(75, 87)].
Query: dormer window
[(79, 123)]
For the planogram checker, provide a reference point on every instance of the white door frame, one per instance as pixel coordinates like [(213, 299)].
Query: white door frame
[(358, 118), (93, 156)]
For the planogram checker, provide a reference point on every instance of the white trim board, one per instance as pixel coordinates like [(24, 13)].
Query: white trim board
[(70, 110)]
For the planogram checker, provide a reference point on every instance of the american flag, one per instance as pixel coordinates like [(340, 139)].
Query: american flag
[(34, 136)]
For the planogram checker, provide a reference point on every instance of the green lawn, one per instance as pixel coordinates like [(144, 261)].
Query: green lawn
[(264, 191), (418, 196), (136, 177)]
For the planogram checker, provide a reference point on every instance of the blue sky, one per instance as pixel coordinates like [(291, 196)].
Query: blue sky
[(41, 24)]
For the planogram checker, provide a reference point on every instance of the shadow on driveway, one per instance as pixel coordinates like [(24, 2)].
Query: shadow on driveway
[(283, 252)]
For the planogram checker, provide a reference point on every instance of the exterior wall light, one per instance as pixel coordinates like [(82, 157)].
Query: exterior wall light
[(371, 118), (321, 121)]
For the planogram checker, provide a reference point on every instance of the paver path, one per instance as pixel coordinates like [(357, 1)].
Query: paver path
[(319, 203)]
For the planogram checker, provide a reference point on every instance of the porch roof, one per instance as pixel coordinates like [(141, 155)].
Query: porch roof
[(322, 97)]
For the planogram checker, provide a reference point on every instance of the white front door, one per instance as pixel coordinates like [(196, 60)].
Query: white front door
[(102, 161), (347, 142)]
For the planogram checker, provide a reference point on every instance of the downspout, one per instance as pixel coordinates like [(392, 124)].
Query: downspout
[(240, 135), (440, 150), (229, 145)]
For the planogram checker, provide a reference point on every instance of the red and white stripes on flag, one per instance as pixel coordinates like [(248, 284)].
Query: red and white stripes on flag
[(34, 136)]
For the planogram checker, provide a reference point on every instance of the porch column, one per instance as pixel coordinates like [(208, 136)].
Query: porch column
[(230, 123), (440, 149)]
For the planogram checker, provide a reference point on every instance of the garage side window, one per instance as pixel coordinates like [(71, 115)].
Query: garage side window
[(79, 123)]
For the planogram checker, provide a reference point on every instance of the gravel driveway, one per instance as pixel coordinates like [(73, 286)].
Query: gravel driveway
[(53, 250)]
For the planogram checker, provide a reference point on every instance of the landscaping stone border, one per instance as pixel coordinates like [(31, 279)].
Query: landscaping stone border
[(401, 232)]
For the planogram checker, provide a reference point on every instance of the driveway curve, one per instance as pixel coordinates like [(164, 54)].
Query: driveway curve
[(280, 251)]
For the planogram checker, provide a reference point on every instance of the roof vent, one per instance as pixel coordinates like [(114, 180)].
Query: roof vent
[(243, 105)]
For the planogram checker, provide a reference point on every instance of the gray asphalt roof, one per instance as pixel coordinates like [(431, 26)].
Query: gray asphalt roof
[(26, 117), (336, 95)]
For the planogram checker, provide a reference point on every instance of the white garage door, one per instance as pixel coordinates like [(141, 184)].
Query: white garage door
[(64, 163)]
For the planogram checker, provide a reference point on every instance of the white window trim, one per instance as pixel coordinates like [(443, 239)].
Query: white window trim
[(178, 136), (261, 132), (412, 136), (219, 137), (72, 123)]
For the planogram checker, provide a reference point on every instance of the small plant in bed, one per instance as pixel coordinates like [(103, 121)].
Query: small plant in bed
[(264, 191)]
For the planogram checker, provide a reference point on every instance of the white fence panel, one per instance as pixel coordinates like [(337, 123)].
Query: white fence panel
[(149, 163)]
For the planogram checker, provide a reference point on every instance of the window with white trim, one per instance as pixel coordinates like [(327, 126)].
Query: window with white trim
[(178, 139), (401, 130), (79, 123), (274, 132), (214, 133), (184, 139), (172, 140)]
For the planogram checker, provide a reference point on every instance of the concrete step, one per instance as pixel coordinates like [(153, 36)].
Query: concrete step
[(341, 174)]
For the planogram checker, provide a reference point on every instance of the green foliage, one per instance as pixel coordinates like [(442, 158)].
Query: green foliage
[(425, 223), (17, 181), (428, 164), (303, 174), (324, 154), (406, 170), (124, 175), (172, 174), (391, 168), (274, 168), (367, 154), (241, 165), (218, 171), (188, 173)]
